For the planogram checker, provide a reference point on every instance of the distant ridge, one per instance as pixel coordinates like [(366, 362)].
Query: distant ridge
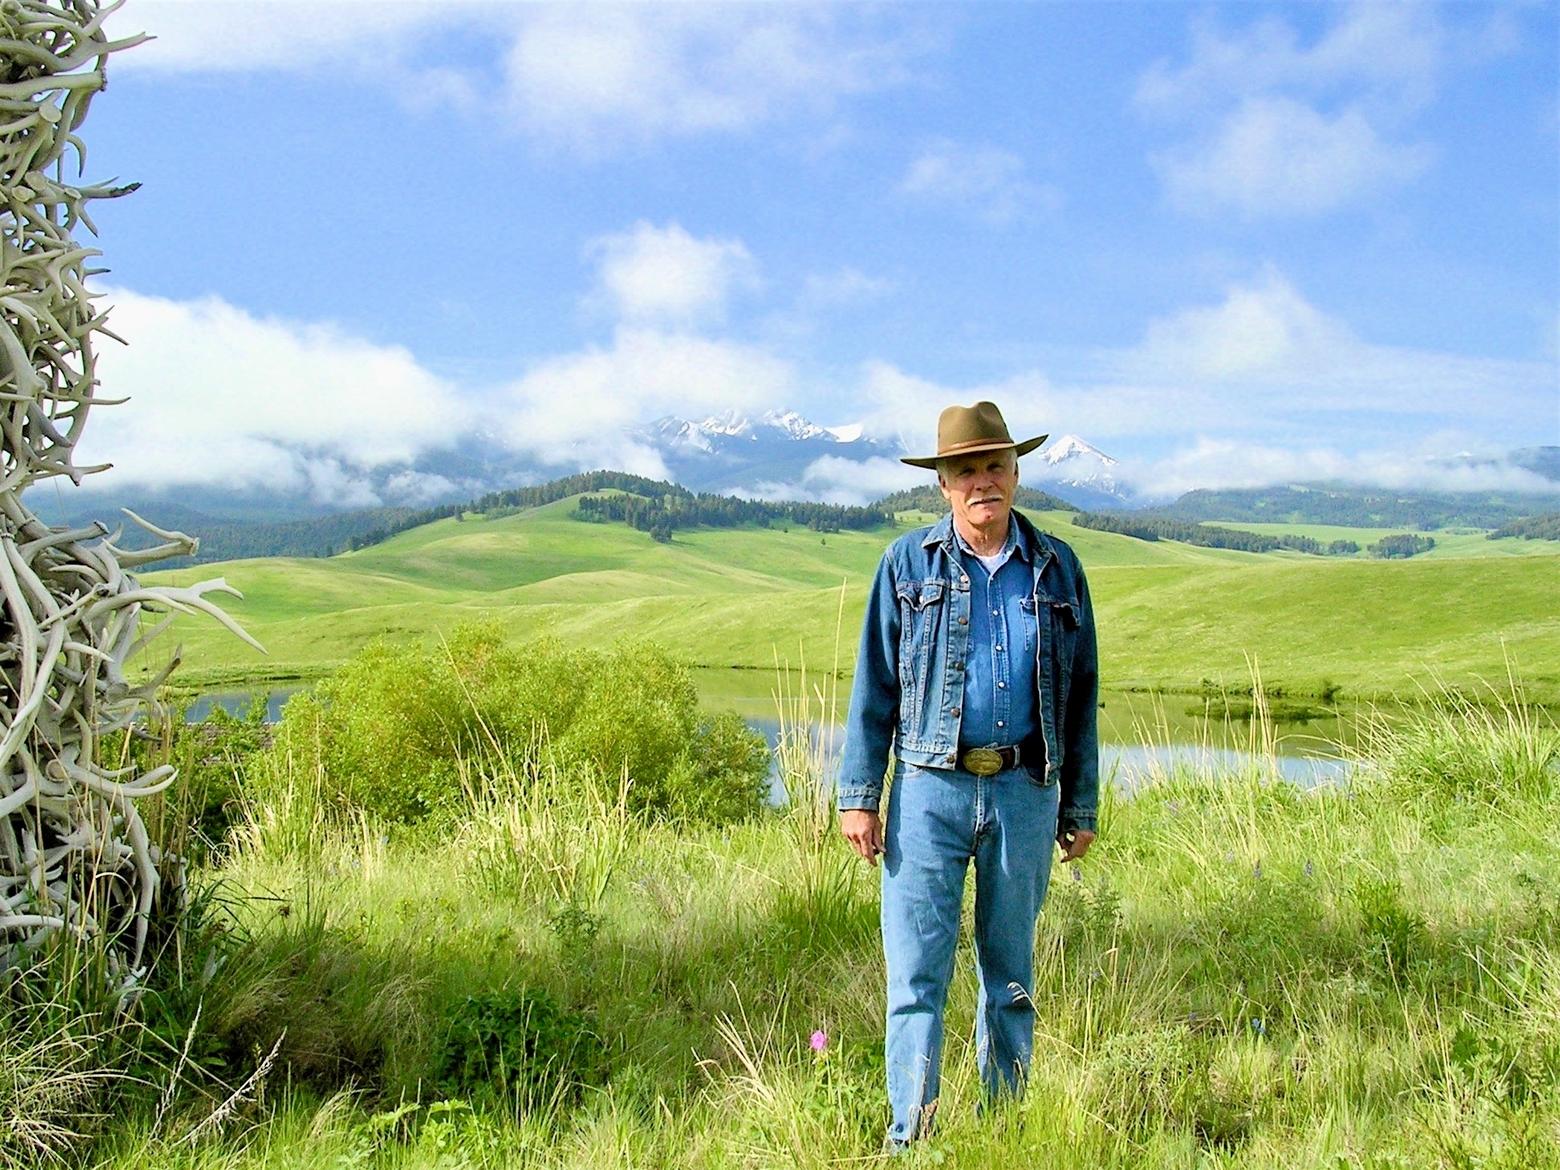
[(322, 536), (1360, 507)]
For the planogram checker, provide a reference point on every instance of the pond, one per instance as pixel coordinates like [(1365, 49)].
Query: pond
[(1141, 735)]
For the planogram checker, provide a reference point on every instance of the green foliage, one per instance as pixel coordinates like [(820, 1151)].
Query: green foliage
[(1401, 546), (1239, 973), (230, 538), (659, 513), (388, 733), (1359, 507), (1152, 526), (1544, 526), (519, 1048)]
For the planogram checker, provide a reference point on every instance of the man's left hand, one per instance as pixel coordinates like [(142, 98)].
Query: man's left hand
[(1075, 843)]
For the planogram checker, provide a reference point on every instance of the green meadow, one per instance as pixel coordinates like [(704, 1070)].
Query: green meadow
[(1171, 616), (483, 905), (1240, 975)]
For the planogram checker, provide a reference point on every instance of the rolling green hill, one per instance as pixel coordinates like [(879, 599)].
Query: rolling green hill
[(1171, 615)]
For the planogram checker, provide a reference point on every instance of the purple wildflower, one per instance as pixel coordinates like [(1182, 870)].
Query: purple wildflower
[(819, 1041)]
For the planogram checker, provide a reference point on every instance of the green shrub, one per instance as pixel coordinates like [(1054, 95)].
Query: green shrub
[(522, 1047), (394, 733)]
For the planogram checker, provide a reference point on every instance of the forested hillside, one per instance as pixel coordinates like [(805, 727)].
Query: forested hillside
[(1359, 507), (1544, 526)]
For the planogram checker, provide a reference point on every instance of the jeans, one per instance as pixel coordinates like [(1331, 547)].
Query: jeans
[(937, 822)]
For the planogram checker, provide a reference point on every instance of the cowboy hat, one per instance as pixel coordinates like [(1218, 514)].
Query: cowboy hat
[(969, 430)]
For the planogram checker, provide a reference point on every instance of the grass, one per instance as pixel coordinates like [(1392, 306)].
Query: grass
[(1240, 975), (1170, 615)]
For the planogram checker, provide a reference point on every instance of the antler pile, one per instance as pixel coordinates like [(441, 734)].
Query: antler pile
[(74, 853)]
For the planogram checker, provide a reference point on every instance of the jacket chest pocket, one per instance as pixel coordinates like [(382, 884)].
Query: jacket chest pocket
[(1029, 625), (923, 619), (1062, 617)]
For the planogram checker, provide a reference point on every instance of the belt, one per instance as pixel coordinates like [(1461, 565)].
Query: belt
[(990, 761)]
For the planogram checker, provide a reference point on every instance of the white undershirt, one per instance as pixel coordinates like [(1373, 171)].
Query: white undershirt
[(993, 562)]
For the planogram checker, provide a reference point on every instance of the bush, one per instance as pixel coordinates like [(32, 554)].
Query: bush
[(396, 731), (520, 1046)]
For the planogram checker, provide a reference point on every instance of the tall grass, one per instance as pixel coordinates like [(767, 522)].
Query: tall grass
[(1241, 974), (805, 751)]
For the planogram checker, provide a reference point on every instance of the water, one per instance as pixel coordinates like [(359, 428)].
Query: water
[(237, 703), (1125, 765)]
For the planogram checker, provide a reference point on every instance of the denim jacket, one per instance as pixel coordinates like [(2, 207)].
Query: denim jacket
[(909, 684)]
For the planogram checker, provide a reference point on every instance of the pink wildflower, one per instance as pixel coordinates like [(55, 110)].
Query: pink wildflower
[(820, 1040)]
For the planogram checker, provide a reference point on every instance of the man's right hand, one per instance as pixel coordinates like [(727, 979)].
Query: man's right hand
[(863, 828)]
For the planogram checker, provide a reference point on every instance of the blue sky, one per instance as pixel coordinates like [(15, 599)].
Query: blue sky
[(1226, 243)]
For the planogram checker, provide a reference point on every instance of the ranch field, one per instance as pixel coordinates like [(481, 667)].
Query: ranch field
[(1171, 616)]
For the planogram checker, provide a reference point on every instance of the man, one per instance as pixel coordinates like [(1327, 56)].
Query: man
[(978, 668)]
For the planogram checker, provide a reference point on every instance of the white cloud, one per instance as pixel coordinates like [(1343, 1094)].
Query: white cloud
[(416, 487), (984, 179), (236, 36), (1276, 156), (595, 75), (1260, 364), (902, 408), (578, 408), (1385, 54), (1258, 331), (843, 287), (1265, 355), (666, 275), (834, 480), (221, 396), (1277, 127), (1225, 463), (583, 76)]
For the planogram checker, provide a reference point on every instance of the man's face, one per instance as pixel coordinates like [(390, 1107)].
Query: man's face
[(980, 487)]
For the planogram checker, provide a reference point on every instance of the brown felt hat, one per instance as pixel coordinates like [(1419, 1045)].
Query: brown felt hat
[(969, 430)]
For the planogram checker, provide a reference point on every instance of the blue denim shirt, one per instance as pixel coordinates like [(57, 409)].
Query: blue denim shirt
[(908, 692), (1001, 706)]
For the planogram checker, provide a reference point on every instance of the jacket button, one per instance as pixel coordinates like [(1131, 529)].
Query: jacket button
[(955, 711), (964, 621)]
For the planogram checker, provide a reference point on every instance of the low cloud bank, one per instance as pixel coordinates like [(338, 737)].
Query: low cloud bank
[(1217, 463)]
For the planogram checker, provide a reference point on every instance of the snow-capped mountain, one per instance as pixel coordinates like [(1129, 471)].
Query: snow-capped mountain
[(1080, 472), (734, 452), (731, 451)]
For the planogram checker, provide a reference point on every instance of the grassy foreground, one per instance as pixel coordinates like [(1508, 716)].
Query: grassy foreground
[(1240, 975), (1170, 615)]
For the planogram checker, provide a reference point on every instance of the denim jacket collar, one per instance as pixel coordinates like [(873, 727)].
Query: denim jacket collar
[(1023, 532)]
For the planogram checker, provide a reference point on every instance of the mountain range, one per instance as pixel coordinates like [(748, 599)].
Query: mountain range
[(770, 456)]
